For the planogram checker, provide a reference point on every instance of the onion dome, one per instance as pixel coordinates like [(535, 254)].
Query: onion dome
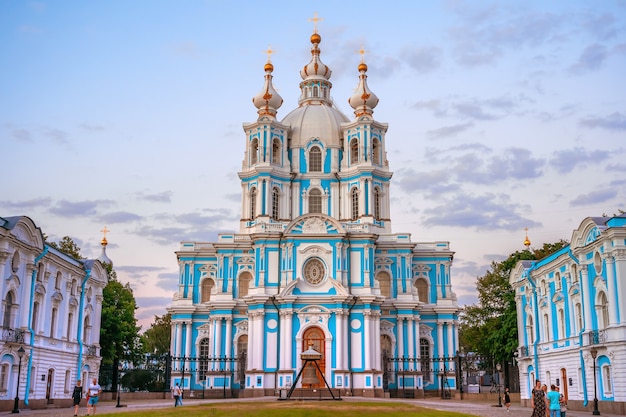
[(315, 69), (103, 258), (363, 101), (526, 240), (267, 101)]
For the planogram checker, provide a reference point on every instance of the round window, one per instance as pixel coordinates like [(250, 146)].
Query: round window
[(314, 271)]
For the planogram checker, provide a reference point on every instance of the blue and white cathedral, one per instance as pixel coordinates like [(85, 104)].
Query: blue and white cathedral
[(315, 263)]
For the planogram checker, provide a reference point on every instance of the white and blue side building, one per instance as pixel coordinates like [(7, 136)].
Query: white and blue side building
[(571, 309)]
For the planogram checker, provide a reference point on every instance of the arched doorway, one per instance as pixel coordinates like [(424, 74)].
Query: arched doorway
[(386, 353), (314, 338)]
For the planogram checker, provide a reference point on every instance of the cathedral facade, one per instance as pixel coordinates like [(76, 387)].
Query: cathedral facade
[(571, 317), (315, 264)]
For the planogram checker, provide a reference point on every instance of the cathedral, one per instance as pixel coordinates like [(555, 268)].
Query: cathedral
[(315, 264)]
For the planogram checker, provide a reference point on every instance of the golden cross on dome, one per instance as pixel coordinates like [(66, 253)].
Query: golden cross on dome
[(105, 231), (269, 53), (362, 51), (315, 20)]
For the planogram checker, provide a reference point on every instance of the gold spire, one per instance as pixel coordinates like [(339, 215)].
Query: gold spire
[(526, 241), (315, 19), (268, 66), (104, 242), (362, 66)]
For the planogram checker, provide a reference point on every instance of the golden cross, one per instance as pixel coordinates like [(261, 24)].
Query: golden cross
[(362, 51), (315, 19), (269, 53), (105, 231)]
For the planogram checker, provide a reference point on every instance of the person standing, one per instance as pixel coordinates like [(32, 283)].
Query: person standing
[(507, 399), (563, 403), (77, 395), (93, 392), (176, 392), (537, 401), (553, 399)]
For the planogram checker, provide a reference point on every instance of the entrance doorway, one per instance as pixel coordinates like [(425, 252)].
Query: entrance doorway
[(314, 338)]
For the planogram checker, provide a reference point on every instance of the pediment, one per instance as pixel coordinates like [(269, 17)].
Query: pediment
[(315, 223)]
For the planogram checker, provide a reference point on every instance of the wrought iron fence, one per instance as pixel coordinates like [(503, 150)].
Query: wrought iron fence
[(12, 335)]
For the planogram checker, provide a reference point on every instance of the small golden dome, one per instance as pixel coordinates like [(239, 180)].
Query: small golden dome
[(316, 38), (269, 67), (104, 242), (362, 67), (526, 240)]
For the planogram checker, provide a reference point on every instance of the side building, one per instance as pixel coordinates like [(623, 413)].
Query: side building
[(51, 305), (315, 264), (571, 309)]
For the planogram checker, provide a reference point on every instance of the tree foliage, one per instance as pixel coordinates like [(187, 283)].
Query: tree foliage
[(119, 333), (489, 327), (65, 245), (156, 339)]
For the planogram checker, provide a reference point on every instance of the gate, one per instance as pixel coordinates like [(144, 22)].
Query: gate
[(209, 377)]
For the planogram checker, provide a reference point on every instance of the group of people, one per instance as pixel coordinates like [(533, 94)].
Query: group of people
[(547, 403), (93, 393)]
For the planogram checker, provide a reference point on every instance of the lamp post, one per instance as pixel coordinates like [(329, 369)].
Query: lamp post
[(20, 354), (119, 371), (594, 355), (498, 368)]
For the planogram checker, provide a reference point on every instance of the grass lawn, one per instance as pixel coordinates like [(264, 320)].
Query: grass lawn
[(293, 409)]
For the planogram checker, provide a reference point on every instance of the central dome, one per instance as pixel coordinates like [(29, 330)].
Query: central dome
[(315, 121)]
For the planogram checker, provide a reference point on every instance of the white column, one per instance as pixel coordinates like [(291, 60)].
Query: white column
[(339, 340), (620, 273), (251, 341), (400, 336), (286, 345), (367, 322), (439, 340), (586, 298), (217, 341), (450, 346), (376, 342), (179, 343), (410, 341), (188, 339), (611, 287), (229, 340)]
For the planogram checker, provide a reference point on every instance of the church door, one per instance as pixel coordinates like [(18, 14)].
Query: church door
[(314, 338)]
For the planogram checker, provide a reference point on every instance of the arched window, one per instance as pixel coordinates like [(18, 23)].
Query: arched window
[(604, 310), (207, 286), (57, 281), (543, 289), (86, 330), (254, 151), (607, 379), (35, 318), (315, 201), (384, 282), (546, 328), (204, 358), (354, 196), (530, 330), (315, 159), (422, 290), (354, 151), (557, 282), (53, 322), (316, 91), (579, 317), (73, 289), (244, 284), (15, 262), (561, 334), (425, 358), (70, 324), (276, 151), (377, 198), (252, 203), (376, 152), (275, 203), (7, 319)]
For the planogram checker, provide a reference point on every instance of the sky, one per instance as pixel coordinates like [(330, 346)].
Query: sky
[(503, 115)]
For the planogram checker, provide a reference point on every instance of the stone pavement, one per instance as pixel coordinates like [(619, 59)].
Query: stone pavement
[(474, 408)]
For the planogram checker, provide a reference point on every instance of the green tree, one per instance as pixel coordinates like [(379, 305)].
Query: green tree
[(65, 245), (156, 339), (119, 333), (489, 327)]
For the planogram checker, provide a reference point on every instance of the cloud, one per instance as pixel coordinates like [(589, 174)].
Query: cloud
[(56, 135), (423, 59), (614, 121), (64, 208), (513, 163), (567, 160), (92, 127), (472, 108), (591, 58), (616, 167), (167, 281), (449, 131), (19, 134), (594, 197), (484, 212), (28, 205), (119, 217), (162, 197)]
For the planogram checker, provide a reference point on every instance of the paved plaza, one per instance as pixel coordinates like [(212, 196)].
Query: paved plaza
[(475, 408)]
